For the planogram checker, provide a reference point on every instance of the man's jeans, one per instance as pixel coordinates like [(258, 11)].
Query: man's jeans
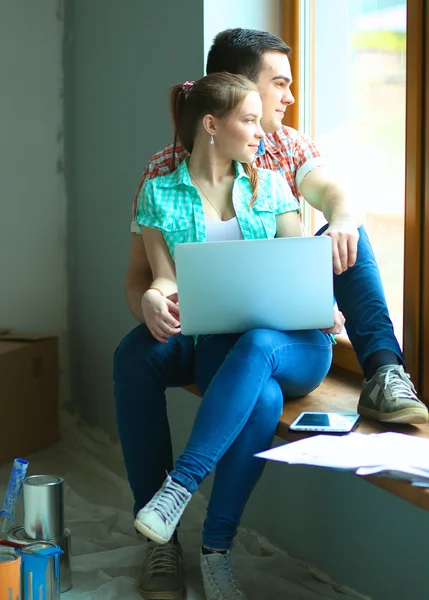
[(360, 297), (143, 368)]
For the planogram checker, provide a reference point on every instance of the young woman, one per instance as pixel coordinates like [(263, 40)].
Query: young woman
[(217, 194)]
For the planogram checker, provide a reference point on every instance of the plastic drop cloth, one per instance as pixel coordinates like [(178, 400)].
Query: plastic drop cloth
[(107, 553)]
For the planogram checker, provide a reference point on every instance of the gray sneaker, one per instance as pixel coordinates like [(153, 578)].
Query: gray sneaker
[(389, 396), (161, 577), (218, 578)]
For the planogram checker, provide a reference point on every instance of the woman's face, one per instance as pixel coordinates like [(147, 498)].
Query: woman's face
[(237, 136)]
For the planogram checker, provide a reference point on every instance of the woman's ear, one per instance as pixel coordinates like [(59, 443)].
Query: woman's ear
[(209, 124)]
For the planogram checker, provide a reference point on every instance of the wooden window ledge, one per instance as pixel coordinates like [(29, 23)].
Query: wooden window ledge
[(340, 391)]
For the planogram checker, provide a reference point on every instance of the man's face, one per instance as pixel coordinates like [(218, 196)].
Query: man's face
[(274, 84)]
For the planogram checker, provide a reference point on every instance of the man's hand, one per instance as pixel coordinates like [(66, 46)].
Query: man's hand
[(344, 235), (324, 194), (339, 321)]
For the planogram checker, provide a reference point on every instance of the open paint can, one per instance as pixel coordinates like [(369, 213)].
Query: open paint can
[(41, 571), (17, 535), (10, 576)]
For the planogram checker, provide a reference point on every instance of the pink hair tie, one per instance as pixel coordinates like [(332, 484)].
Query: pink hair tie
[(187, 86)]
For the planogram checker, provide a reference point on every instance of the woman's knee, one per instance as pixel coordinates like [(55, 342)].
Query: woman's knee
[(256, 341), (308, 374), (267, 341), (132, 351)]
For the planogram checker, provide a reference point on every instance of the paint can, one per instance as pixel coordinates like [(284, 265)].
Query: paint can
[(43, 507), (10, 576), (17, 534), (40, 571)]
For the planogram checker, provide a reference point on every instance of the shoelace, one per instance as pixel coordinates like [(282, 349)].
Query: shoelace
[(223, 581), (399, 384), (169, 500), (162, 559)]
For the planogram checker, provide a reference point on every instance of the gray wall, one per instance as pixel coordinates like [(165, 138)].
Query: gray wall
[(120, 60), (33, 247)]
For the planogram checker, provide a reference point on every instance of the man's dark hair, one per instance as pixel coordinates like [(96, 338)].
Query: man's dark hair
[(240, 51)]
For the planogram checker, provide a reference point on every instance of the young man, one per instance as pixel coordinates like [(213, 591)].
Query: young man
[(145, 367)]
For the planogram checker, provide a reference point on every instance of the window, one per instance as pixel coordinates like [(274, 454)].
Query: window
[(361, 74), (358, 112)]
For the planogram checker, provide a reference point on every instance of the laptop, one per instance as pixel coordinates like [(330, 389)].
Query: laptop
[(233, 286)]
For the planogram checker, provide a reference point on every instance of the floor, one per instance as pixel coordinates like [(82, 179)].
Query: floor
[(107, 553)]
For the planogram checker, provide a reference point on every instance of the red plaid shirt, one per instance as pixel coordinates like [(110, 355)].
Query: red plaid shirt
[(286, 151)]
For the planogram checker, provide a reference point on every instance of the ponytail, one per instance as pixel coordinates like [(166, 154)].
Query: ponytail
[(183, 127), (175, 101)]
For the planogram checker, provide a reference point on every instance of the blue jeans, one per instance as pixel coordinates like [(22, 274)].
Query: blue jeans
[(244, 379), (360, 297), (144, 368)]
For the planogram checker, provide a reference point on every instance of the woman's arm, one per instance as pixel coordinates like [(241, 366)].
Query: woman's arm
[(160, 313), (139, 276), (161, 263), (289, 225)]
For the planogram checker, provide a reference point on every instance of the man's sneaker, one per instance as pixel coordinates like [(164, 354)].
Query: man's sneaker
[(218, 579), (158, 519), (390, 396), (161, 577)]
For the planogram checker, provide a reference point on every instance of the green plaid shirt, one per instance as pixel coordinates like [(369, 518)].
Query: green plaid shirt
[(172, 204)]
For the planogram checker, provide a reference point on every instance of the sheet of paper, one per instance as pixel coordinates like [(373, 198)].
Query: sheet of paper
[(397, 471), (340, 452), (367, 454)]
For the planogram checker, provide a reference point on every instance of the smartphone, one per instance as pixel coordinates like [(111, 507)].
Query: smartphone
[(325, 422)]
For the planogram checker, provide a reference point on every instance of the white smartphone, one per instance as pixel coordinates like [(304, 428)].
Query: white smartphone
[(325, 422)]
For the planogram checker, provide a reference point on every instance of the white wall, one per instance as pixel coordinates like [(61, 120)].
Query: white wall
[(33, 287), (250, 14)]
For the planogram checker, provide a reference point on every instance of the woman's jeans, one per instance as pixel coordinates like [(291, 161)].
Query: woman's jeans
[(144, 368), (239, 413)]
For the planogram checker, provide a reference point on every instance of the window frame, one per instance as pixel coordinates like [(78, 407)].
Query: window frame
[(423, 328)]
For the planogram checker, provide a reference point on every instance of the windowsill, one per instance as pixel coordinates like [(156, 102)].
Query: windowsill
[(340, 391), (344, 356)]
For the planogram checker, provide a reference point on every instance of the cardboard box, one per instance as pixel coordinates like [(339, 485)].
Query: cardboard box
[(29, 394)]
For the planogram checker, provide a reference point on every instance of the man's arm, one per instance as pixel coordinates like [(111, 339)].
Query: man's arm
[(139, 276), (325, 195)]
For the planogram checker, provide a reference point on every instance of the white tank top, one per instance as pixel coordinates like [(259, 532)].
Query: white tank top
[(220, 231)]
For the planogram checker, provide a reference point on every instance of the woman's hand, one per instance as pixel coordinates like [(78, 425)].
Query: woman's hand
[(160, 315), (339, 321)]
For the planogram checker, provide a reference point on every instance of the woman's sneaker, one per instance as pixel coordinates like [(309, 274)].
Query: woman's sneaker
[(159, 518), (218, 579)]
